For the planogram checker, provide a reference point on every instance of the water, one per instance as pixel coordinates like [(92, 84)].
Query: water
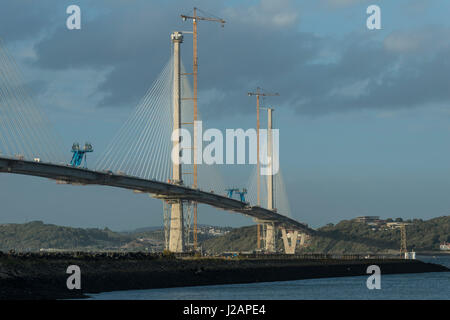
[(434, 285)]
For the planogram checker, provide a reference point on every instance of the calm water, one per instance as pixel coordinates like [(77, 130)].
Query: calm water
[(434, 285)]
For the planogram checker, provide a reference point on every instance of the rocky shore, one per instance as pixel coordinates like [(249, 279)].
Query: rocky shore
[(43, 275)]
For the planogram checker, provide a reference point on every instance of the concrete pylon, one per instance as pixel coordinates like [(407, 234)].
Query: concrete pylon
[(289, 244), (270, 160), (177, 39), (270, 242), (176, 238)]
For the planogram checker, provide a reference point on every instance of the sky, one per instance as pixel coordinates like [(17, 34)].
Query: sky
[(363, 114)]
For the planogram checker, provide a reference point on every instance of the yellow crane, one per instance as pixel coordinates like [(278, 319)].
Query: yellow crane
[(403, 248), (402, 227), (258, 93), (194, 19)]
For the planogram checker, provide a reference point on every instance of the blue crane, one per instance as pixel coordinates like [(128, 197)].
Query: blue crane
[(241, 193), (230, 192), (79, 154)]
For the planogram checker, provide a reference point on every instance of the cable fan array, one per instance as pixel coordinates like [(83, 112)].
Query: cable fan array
[(140, 147), (143, 146), (280, 199), (24, 131)]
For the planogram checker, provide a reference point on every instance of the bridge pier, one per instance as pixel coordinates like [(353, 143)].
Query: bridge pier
[(270, 239), (289, 243), (176, 236), (269, 232)]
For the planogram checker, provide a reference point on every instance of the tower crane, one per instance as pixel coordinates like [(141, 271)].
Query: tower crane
[(194, 19), (258, 93), (403, 248)]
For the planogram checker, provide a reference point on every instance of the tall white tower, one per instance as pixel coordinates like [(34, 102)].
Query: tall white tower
[(176, 239), (270, 227)]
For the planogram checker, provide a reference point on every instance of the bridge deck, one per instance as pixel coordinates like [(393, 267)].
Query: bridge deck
[(75, 175)]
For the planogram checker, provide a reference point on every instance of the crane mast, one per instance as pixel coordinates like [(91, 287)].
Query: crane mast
[(194, 19), (258, 93)]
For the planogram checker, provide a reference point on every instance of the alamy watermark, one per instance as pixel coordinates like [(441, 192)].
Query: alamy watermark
[(373, 22), (234, 147), (374, 281), (73, 21), (74, 280)]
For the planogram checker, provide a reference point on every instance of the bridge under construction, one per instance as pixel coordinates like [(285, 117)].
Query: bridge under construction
[(145, 156)]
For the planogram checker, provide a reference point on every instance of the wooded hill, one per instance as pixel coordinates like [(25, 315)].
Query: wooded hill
[(348, 236), (35, 235)]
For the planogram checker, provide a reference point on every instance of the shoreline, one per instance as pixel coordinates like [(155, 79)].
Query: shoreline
[(37, 276), (433, 253)]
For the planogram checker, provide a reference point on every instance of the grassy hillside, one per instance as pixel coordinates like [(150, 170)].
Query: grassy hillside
[(347, 237), (35, 235), (352, 237), (241, 239)]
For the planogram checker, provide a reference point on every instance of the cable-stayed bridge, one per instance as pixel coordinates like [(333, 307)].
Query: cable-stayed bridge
[(139, 157)]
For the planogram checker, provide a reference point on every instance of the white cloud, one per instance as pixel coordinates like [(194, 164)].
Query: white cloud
[(276, 13), (343, 3), (403, 42), (352, 90), (427, 39)]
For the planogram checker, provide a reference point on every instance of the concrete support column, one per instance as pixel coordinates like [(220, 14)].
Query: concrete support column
[(270, 204), (270, 238), (176, 238), (289, 243)]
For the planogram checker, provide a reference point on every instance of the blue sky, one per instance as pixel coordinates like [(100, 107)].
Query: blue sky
[(363, 115)]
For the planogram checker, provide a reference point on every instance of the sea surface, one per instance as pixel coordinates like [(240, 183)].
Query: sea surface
[(417, 286)]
